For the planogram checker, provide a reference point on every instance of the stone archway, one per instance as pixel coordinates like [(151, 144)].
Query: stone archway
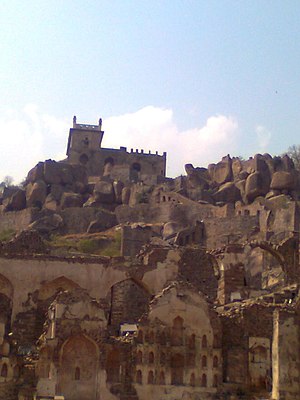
[(79, 368)]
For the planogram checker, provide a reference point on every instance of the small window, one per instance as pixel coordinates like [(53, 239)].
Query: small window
[(215, 362), (151, 357), (203, 381), (139, 377), (162, 380), (83, 159), (150, 378), (215, 381), (204, 342), (204, 362)]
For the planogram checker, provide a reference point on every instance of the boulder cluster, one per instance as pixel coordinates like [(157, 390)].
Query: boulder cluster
[(55, 186), (234, 179)]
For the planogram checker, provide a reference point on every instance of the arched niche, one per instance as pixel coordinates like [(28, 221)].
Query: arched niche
[(263, 266), (52, 288), (129, 300), (113, 364), (79, 359), (177, 369), (83, 159)]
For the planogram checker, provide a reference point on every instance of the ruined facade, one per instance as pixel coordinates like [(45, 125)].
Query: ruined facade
[(120, 283)]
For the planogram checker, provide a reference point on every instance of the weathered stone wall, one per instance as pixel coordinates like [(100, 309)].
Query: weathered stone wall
[(77, 220), (236, 229), (17, 220)]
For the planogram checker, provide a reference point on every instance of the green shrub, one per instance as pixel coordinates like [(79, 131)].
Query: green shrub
[(7, 234)]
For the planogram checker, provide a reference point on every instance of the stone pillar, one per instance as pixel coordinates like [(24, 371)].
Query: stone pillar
[(285, 356)]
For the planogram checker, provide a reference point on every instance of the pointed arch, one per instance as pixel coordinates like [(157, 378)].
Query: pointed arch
[(51, 288), (78, 351)]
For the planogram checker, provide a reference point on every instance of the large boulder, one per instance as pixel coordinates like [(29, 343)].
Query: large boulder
[(104, 221), (36, 194), (56, 191), (56, 172), (16, 202), (71, 200), (282, 180), (222, 171), (256, 186), (80, 174), (36, 173), (237, 167), (104, 192), (47, 223), (227, 193), (50, 203), (196, 177)]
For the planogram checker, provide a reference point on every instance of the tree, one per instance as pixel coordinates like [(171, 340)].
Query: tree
[(294, 153), (7, 181)]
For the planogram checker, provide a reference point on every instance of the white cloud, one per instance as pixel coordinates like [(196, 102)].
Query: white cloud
[(263, 137), (154, 128), (30, 135), (27, 137)]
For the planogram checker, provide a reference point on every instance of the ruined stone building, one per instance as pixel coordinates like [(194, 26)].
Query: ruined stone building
[(117, 282)]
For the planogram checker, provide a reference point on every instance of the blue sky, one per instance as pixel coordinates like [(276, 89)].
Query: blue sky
[(199, 79)]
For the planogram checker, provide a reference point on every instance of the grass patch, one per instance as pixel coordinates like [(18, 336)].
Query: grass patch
[(7, 234), (113, 248), (104, 244), (88, 246)]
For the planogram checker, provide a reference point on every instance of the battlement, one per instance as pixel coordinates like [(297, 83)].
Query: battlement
[(86, 126)]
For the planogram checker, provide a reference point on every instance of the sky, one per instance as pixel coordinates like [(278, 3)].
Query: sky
[(196, 78)]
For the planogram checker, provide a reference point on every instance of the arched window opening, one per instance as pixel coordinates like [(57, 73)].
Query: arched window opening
[(204, 362), (136, 167), (215, 381), (177, 368), (139, 377), (162, 380), (4, 371), (109, 160), (83, 159), (151, 357), (192, 341), (215, 362), (203, 380), (177, 331), (204, 342), (150, 378)]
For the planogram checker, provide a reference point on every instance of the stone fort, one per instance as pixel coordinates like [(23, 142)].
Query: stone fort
[(117, 282)]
